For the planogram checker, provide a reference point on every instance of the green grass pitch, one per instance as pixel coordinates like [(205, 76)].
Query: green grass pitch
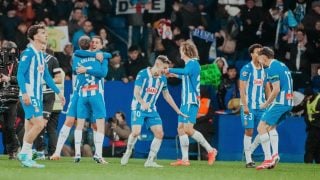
[(87, 169)]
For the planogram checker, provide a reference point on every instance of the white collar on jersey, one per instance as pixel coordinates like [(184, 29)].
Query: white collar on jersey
[(254, 66), (33, 48)]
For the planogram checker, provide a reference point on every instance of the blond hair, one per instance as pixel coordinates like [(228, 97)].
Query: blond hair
[(189, 49)]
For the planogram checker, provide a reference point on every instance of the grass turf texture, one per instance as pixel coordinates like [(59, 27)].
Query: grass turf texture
[(87, 169)]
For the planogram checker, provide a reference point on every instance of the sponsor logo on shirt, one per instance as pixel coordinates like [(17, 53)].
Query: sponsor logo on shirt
[(258, 82), (289, 96), (41, 68), (151, 90)]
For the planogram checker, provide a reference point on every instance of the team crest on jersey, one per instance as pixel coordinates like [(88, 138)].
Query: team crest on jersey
[(258, 82), (41, 68), (244, 73), (23, 58), (151, 90)]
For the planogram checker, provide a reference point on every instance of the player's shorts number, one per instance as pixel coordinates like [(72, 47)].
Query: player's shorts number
[(34, 102), (138, 113), (248, 116)]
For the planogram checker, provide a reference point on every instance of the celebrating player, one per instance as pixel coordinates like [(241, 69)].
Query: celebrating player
[(252, 94), (150, 82), (278, 104), (190, 98)]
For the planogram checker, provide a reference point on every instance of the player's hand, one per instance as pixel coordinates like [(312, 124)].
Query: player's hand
[(26, 99), (245, 109), (99, 56), (145, 106), (4, 78), (81, 70), (62, 99), (183, 115), (263, 106)]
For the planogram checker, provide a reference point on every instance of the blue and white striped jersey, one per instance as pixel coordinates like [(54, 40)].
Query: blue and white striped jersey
[(91, 82), (278, 71), (32, 70), (190, 76), (256, 81), (151, 87)]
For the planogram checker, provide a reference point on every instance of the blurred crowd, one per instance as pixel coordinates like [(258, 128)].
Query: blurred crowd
[(222, 31)]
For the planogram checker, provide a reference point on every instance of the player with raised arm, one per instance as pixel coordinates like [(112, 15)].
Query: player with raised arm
[(84, 44), (91, 103), (150, 82), (278, 104), (190, 102)]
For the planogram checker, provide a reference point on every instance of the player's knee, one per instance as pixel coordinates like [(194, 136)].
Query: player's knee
[(39, 125), (159, 134), (69, 122), (248, 132), (135, 133)]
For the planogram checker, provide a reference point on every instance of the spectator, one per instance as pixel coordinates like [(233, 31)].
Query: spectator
[(116, 71), (98, 10), (44, 9), (63, 9), (251, 18), (135, 63), (25, 12), (222, 65), (21, 36), (76, 21), (297, 60), (228, 89), (300, 9), (107, 44), (316, 80), (87, 29), (138, 32), (9, 23), (313, 36), (65, 59), (312, 17), (118, 131)]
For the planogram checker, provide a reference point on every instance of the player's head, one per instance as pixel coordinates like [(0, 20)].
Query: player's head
[(84, 42), (266, 54), (188, 50), (96, 43), (254, 50), (38, 34), (161, 63)]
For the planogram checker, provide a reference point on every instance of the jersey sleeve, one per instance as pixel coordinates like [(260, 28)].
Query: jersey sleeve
[(101, 71), (139, 79), (182, 71), (273, 75), (244, 73), (75, 60), (165, 84), (23, 67)]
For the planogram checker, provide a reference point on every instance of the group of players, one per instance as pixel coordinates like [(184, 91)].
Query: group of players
[(266, 95)]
